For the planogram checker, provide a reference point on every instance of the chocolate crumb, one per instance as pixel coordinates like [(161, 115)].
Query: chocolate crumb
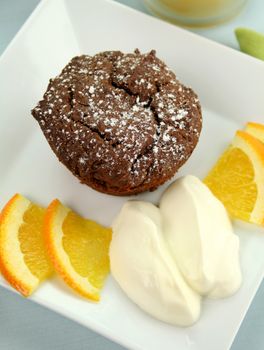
[(122, 123)]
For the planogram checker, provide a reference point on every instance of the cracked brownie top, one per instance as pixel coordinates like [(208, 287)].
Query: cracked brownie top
[(122, 123)]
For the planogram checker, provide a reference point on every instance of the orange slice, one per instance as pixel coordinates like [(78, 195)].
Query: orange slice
[(78, 249), (256, 130), (237, 178), (23, 259)]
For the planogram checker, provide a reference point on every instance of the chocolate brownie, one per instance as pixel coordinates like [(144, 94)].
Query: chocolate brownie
[(122, 123)]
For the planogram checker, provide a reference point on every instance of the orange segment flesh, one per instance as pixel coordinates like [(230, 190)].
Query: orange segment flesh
[(78, 249), (237, 193), (237, 178), (23, 262), (32, 243), (87, 244), (256, 130)]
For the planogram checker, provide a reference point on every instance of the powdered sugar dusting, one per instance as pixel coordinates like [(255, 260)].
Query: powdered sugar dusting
[(125, 117)]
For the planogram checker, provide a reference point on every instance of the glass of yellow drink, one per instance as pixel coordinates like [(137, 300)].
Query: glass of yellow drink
[(195, 12)]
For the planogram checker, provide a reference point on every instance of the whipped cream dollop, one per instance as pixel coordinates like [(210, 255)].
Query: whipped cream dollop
[(165, 258), (199, 233), (144, 268)]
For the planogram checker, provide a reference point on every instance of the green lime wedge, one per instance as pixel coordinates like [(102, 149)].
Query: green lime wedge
[(250, 42)]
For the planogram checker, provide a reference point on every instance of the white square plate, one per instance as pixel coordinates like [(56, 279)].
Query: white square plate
[(230, 86)]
